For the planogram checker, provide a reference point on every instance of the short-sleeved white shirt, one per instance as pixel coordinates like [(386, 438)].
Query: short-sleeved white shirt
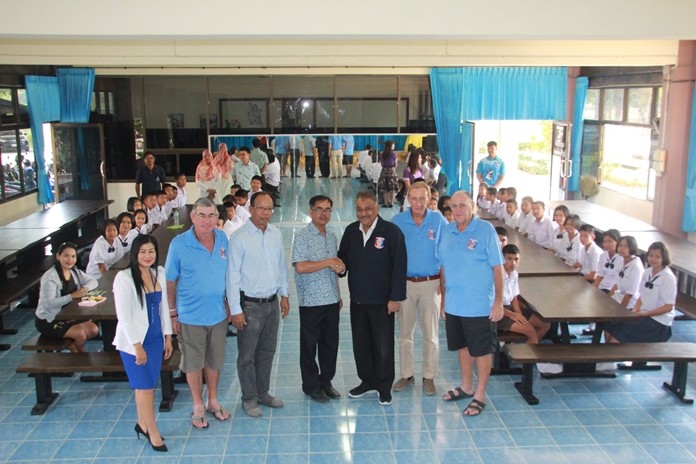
[(103, 253), (511, 287), (661, 289), (630, 276), (608, 269), (568, 248), (541, 232), (589, 258)]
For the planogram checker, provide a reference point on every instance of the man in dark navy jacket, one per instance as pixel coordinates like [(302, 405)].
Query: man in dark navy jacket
[(374, 253)]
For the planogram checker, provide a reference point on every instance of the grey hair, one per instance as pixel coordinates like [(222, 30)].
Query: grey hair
[(203, 203)]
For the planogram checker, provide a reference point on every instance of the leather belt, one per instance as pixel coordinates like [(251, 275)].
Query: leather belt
[(270, 299), (423, 279)]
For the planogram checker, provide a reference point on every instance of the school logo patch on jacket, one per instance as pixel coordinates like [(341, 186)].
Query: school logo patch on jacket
[(379, 242)]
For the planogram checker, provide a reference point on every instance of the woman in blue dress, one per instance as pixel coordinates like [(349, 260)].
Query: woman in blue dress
[(144, 329)]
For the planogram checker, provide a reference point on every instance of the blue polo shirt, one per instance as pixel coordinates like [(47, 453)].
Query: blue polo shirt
[(200, 278), (321, 287), (350, 145), (421, 242), (336, 142), (468, 258), (280, 148), (491, 169)]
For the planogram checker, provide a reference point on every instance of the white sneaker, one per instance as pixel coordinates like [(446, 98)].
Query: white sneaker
[(605, 366), (549, 368)]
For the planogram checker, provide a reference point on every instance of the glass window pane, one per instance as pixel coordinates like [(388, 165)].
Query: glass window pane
[(612, 109), (173, 108), (238, 105), (11, 163), (368, 104), (23, 107), (591, 109), (658, 103), (7, 109), (626, 159), (415, 91), (303, 104), (639, 105)]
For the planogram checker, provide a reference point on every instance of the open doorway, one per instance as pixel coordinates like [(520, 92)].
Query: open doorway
[(525, 147)]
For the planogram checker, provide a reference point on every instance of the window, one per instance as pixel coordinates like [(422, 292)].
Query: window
[(612, 104), (639, 105), (591, 109), (18, 167)]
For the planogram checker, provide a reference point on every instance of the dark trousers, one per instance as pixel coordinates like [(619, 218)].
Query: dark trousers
[(373, 344), (318, 333), (324, 165), (309, 166)]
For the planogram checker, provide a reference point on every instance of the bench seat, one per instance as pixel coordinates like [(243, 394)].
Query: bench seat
[(501, 363), (528, 355), (44, 365), (15, 288), (686, 305), (43, 343)]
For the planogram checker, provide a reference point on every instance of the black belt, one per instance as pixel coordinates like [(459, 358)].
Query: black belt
[(423, 279), (270, 299)]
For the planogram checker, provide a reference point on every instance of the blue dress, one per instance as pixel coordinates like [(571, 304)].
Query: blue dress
[(146, 377)]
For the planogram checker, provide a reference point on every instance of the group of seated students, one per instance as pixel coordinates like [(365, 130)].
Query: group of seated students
[(616, 268)]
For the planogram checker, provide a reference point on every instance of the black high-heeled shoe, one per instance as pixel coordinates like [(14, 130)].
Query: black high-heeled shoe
[(139, 430)]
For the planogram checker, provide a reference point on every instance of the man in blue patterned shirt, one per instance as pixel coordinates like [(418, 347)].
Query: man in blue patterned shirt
[(316, 277)]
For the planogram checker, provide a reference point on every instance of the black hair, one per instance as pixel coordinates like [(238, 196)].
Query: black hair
[(587, 228), (229, 204), (107, 223), (512, 201), (229, 197), (241, 193), (441, 201), (562, 208), (664, 251), (511, 249), (120, 217), (259, 178), (179, 174), (492, 190), (575, 220), (317, 198), (246, 149), (135, 213), (271, 156), (130, 205), (256, 143), (631, 243), (614, 234), (138, 242), (501, 231), (59, 270)]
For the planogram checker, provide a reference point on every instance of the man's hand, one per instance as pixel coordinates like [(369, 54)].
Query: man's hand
[(337, 266), (393, 307), (517, 317), (284, 306), (238, 321), (497, 311)]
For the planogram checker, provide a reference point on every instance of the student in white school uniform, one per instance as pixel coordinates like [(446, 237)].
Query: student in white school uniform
[(541, 230), (569, 245), (512, 214), (526, 217), (232, 219), (658, 294), (590, 252), (163, 208), (492, 199), (608, 268), (180, 190), (153, 216), (627, 289), (124, 222), (140, 218), (481, 199), (560, 213), (500, 203), (105, 251)]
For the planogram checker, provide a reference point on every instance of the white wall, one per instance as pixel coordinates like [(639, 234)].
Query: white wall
[(640, 209)]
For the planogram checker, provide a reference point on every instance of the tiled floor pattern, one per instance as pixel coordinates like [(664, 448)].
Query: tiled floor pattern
[(630, 419)]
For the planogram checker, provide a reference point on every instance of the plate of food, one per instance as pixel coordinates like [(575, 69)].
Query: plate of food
[(92, 300)]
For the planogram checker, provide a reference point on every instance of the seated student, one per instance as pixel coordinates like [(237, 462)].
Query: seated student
[(517, 319), (492, 199), (59, 286), (481, 200), (180, 190), (448, 214), (589, 254), (511, 193), (526, 218), (256, 184), (105, 251), (171, 192), (502, 235), (569, 245), (432, 170), (444, 200), (658, 294), (560, 213), (512, 213), (140, 218), (233, 189), (232, 220), (242, 199), (272, 174), (500, 203), (133, 204), (163, 208), (541, 230), (126, 233), (241, 210), (608, 268), (154, 219), (627, 290)]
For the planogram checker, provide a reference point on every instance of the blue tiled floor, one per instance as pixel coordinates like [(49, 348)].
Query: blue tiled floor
[(630, 419)]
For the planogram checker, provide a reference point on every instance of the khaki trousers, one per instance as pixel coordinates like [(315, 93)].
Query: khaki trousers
[(336, 166), (422, 303)]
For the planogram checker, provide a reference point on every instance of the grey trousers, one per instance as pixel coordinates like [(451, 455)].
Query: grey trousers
[(256, 344)]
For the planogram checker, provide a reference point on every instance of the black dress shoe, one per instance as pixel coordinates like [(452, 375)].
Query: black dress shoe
[(360, 390), (331, 392), (319, 396)]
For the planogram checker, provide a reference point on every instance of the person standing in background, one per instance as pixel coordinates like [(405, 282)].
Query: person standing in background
[(149, 178)]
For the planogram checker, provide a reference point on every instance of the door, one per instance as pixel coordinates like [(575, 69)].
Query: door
[(561, 164), (78, 161)]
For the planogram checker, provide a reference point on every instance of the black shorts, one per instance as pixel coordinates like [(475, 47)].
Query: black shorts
[(505, 323), (55, 329), (347, 159), (478, 334)]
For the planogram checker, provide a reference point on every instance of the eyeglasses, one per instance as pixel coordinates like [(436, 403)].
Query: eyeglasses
[(322, 210), (264, 209), (207, 216)]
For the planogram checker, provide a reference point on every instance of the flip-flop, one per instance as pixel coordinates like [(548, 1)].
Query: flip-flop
[(476, 406), (456, 394), (198, 422), (220, 413)]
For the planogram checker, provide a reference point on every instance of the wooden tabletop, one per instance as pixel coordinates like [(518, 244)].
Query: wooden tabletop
[(603, 218), (535, 260), (7, 254), (105, 311), (486, 215), (59, 215), (20, 239), (570, 299), (682, 252)]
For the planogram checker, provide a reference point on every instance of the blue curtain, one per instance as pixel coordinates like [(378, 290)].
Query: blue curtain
[(689, 216), (447, 87), (237, 141), (362, 140), (43, 100), (581, 85), (461, 94), (76, 87)]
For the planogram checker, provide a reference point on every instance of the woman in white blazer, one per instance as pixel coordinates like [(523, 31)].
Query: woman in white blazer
[(144, 330)]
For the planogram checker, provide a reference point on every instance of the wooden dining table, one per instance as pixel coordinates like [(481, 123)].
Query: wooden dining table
[(682, 252), (603, 218)]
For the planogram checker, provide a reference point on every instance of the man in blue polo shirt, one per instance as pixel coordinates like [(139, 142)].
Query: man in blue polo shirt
[(196, 269), (471, 285), (491, 169), (421, 228)]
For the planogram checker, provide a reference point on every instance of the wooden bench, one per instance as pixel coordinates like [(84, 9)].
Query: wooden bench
[(528, 355), (43, 343), (501, 364), (44, 365), (686, 305), (14, 289)]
